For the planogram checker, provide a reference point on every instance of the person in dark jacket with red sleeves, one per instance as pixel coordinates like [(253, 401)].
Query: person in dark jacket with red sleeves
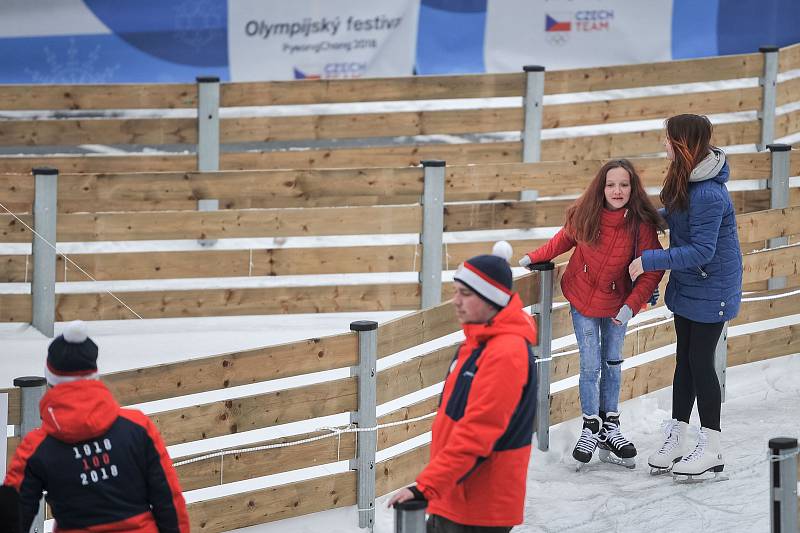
[(611, 223), (104, 468), (481, 444)]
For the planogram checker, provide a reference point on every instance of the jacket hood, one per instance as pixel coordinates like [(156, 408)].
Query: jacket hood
[(510, 319), (710, 167), (79, 410)]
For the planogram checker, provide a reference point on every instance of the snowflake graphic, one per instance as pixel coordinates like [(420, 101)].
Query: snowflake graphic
[(196, 21), (72, 67)]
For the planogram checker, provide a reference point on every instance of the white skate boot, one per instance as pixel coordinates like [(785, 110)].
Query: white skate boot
[(673, 449), (706, 457)]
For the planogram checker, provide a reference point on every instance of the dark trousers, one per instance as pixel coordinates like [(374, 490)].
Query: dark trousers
[(695, 375), (440, 524)]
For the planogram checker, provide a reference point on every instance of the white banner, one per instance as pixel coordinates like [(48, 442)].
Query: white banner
[(562, 34), (328, 39)]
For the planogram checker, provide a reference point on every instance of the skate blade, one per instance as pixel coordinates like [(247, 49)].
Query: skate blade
[(660, 471), (608, 457), (711, 475)]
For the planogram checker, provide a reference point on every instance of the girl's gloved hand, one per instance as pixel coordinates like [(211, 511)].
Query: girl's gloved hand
[(525, 261), (623, 315)]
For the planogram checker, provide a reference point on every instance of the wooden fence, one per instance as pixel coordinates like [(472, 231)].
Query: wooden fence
[(375, 127), (239, 414)]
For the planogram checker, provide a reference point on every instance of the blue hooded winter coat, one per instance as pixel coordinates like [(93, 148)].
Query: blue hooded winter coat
[(705, 283)]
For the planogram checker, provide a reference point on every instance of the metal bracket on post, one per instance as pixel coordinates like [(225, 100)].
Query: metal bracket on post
[(32, 388), (207, 137), (721, 359), (43, 281), (783, 485), (366, 417), (543, 311), (430, 275), (779, 196), (532, 130), (769, 84)]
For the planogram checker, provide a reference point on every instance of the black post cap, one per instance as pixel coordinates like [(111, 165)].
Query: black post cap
[(779, 147), (29, 381), (44, 171), (782, 443), (363, 325), (533, 68), (432, 163), (768, 48), (411, 505), (207, 79), (540, 267)]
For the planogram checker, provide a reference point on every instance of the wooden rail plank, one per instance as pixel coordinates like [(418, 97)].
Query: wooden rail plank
[(116, 96), (763, 225), (221, 302), (415, 374), (101, 163), (273, 503), (396, 434), (371, 89), (241, 466), (788, 91), (762, 345), (787, 124), (392, 124), (254, 412), (400, 470), (789, 58), (15, 308), (69, 132), (232, 369), (650, 107), (761, 266), (11, 447), (645, 75), (417, 328), (14, 405)]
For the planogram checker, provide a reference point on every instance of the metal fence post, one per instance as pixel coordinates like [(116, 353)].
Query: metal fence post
[(783, 485), (409, 516), (430, 274), (366, 417), (768, 83), (32, 388), (533, 103), (543, 311), (779, 196), (721, 359), (207, 137), (43, 281)]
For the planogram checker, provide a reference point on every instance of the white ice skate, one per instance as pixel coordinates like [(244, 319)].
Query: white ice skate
[(673, 449), (706, 458)]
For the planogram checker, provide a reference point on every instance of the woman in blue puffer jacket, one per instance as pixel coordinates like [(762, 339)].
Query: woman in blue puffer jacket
[(704, 289)]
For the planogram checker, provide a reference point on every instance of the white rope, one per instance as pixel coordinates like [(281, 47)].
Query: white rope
[(771, 296), (333, 432), (67, 259)]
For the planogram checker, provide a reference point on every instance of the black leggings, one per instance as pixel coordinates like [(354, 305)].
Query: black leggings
[(695, 375)]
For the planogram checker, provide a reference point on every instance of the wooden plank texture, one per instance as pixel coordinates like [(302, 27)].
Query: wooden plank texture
[(14, 405), (15, 308), (788, 91), (650, 107), (416, 328), (787, 124), (70, 132), (232, 369), (396, 124), (116, 96), (415, 374), (371, 89), (763, 225), (396, 434), (273, 503), (400, 470), (254, 412), (649, 74), (789, 58)]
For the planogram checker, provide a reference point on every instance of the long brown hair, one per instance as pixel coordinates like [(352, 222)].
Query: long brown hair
[(690, 137), (583, 216)]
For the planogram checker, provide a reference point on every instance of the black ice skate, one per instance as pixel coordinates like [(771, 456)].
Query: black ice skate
[(614, 447), (587, 442)]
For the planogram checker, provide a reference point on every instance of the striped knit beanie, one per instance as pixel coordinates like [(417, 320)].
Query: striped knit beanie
[(71, 356), (489, 276)]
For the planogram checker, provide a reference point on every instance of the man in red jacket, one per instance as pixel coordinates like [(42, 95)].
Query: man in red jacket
[(481, 445), (104, 468)]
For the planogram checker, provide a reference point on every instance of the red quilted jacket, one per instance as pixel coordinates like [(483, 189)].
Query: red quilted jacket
[(596, 281)]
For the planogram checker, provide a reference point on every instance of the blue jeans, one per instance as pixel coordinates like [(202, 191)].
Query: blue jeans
[(600, 344)]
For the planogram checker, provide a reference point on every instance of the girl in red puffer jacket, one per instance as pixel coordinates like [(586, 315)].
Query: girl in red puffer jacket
[(611, 223)]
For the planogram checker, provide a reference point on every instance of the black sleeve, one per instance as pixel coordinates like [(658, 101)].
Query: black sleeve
[(9, 510)]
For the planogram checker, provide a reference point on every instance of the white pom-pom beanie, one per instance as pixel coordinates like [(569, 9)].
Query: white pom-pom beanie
[(71, 356)]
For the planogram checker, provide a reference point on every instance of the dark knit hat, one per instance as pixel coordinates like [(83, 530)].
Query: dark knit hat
[(489, 276), (71, 356)]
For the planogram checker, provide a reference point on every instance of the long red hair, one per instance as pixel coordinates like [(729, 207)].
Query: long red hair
[(583, 216), (690, 137)]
